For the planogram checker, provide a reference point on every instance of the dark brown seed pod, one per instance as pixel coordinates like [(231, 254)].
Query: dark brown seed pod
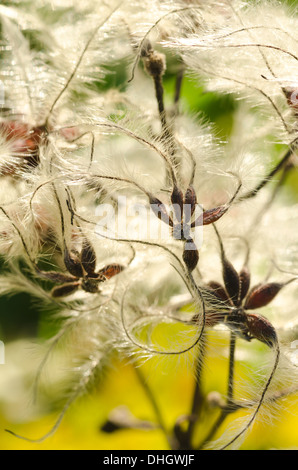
[(160, 210), (244, 277), (88, 257), (231, 280), (66, 289), (155, 63), (190, 255), (73, 264), (260, 328), (213, 215), (262, 295), (216, 289), (177, 203), (55, 276), (190, 201), (110, 271), (210, 216), (25, 142)]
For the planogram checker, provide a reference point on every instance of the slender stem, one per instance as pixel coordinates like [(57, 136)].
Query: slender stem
[(61, 215), (228, 409), (167, 134), (231, 368), (198, 398), (178, 87), (159, 92)]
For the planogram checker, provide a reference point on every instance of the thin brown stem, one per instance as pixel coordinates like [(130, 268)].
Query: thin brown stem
[(231, 368), (167, 136), (159, 93), (178, 87)]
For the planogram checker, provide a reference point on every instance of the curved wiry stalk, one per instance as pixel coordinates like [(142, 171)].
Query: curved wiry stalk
[(247, 426), (73, 74), (154, 351), (235, 46), (54, 427), (193, 289), (259, 90), (251, 28), (59, 336), (141, 45)]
